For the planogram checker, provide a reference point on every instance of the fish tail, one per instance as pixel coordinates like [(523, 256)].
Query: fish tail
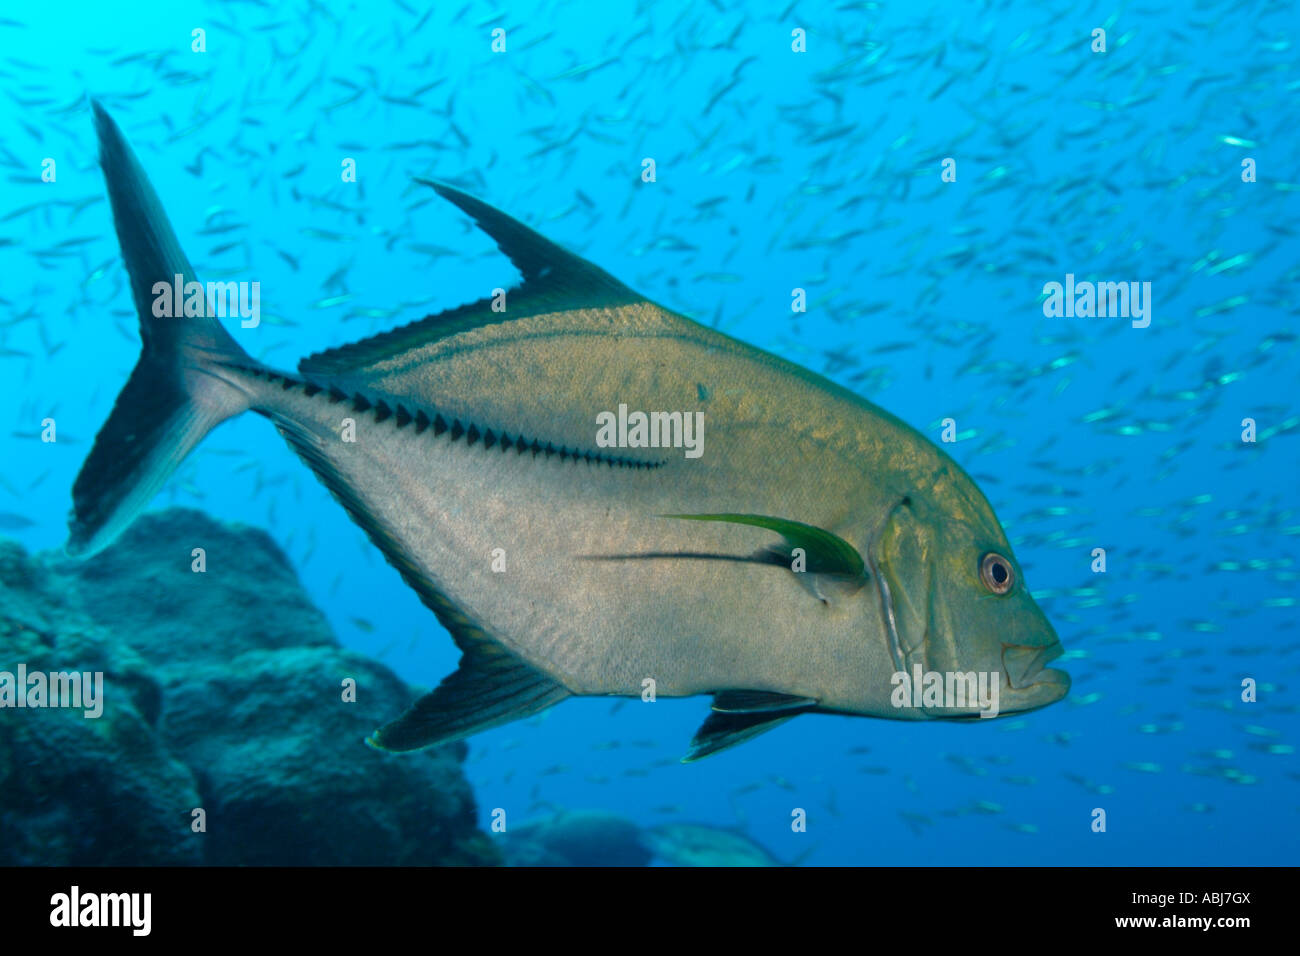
[(177, 393)]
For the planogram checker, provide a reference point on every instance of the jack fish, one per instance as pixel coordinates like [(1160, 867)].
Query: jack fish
[(770, 539)]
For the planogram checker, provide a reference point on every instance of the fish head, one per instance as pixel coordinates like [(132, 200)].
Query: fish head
[(955, 603)]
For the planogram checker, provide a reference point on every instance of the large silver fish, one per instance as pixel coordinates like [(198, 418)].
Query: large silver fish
[(795, 551)]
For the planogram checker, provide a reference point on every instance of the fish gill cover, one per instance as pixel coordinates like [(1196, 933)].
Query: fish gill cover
[(1056, 240)]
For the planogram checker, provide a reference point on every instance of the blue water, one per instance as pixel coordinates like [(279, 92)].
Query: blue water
[(775, 170)]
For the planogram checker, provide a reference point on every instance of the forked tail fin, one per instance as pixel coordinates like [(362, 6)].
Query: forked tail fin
[(175, 394)]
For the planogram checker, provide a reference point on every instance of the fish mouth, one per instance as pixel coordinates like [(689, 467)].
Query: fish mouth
[(1032, 683)]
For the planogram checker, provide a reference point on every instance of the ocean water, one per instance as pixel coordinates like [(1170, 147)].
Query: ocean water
[(775, 170)]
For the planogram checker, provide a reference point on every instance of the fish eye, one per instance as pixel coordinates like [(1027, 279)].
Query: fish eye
[(996, 573)]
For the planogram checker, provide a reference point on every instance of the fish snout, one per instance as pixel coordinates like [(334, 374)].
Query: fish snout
[(1031, 683)]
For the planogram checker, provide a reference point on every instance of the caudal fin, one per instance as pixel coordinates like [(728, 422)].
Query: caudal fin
[(175, 394)]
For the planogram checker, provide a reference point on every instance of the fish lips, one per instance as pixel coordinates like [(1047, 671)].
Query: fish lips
[(1033, 683)]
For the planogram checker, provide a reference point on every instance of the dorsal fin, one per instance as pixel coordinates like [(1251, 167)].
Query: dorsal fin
[(535, 256), (554, 280)]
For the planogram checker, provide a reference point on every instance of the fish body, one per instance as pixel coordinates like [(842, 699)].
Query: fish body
[(772, 539)]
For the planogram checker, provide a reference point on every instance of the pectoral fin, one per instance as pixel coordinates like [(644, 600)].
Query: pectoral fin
[(827, 558)]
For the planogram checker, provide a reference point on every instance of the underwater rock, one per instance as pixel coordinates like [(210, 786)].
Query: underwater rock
[(576, 838), (598, 838), (697, 844), (222, 690)]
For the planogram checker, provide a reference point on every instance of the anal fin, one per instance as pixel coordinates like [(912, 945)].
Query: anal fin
[(492, 686)]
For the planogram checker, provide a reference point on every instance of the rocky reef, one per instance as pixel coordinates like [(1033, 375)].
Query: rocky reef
[(222, 693), (569, 837), (576, 838)]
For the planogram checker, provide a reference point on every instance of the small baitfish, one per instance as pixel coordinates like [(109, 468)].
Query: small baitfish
[(597, 496)]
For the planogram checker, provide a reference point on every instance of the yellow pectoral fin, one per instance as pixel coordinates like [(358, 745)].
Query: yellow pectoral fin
[(824, 552)]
